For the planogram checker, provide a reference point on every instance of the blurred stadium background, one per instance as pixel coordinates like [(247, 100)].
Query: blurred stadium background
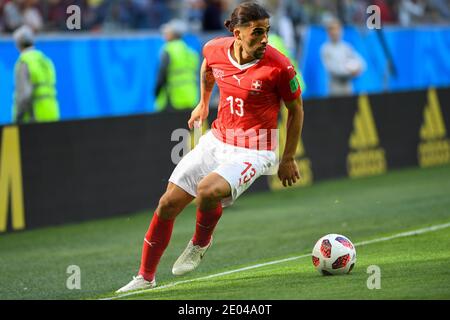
[(365, 158), (119, 42)]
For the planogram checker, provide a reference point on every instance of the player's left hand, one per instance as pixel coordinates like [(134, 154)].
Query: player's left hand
[(288, 172), (198, 115)]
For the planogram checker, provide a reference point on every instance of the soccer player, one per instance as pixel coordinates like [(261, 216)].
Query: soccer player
[(253, 78)]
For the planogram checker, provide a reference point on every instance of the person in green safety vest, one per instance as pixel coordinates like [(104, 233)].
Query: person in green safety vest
[(35, 79), (277, 42), (177, 86)]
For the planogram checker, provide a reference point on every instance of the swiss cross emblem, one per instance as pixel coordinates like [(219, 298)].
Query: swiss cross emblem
[(256, 84)]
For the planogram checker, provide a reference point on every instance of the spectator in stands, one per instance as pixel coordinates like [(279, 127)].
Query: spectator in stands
[(160, 13), (341, 61), (2, 24), (12, 14), (208, 14), (411, 12), (281, 22), (35, 81), (388, 11), (319, 11), (140, 13), (194, 13), (20, 12), (352, 11), (440, 10), (31, 15), (212, 15), (118, 16), (94, 13), (177, 86), (56, 15), (296, 12)]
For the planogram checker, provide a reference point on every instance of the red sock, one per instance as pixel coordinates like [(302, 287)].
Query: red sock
[(155, 242), (206, 222)]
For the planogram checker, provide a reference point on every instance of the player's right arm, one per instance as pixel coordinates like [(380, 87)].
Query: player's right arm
[(200, 112)]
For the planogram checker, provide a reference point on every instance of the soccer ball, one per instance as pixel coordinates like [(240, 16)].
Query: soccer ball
[(334, 254)]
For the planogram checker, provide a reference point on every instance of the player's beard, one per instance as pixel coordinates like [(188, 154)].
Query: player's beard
[(259, 53)]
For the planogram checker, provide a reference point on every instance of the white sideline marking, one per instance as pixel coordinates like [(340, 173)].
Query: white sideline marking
[(362, 243)]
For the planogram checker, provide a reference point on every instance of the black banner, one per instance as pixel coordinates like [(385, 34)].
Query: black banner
[(56, 173)]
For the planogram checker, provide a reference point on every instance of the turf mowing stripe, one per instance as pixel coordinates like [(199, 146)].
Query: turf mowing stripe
[(405, 234), (362, 243)]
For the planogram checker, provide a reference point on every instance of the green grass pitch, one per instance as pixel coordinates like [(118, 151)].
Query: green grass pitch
[(258, 229)]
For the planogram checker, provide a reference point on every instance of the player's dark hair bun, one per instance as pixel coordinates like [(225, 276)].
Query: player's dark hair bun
[(244, 14), (227, 25)]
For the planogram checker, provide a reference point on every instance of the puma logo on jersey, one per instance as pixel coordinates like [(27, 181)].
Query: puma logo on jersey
[(238, 79)]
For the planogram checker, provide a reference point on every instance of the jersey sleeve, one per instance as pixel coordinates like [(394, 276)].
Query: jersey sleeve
[(207, 48), (288, 83)]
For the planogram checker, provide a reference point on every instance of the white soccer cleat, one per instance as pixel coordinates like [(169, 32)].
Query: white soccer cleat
[(189, 259), (138, 283)]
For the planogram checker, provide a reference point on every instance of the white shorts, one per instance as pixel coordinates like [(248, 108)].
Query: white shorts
[(240, 167)]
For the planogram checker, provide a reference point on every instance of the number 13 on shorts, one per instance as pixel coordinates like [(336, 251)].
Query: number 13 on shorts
[(247, 174)]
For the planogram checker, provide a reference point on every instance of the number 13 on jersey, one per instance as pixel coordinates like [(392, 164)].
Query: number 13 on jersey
[(236, 106)]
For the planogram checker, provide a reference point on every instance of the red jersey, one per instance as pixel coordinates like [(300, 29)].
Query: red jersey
[(250, 94)]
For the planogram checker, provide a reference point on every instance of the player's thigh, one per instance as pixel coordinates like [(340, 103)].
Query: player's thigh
[(243, 170), (213, 187), (178, 193), (193, 167)]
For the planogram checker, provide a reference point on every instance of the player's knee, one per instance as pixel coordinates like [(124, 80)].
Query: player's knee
[(208, 193), (167, 207)]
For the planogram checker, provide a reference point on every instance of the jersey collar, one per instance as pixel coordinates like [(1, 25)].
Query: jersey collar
[(241, 66)]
